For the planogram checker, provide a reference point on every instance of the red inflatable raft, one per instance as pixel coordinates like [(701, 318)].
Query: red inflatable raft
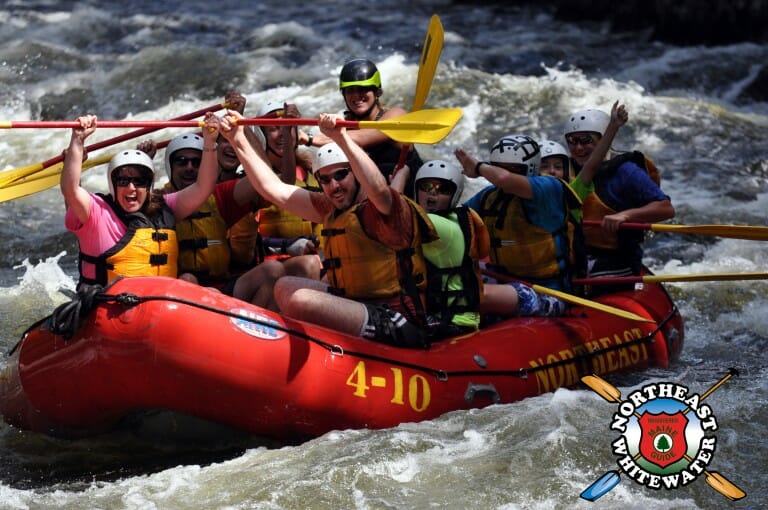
[(159, 343)]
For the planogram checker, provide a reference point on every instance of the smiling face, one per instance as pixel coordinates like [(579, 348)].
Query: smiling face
[(360, 100), (227, 158), (185, 164), (275, 141), (132, 184), (581, 144), (339, 185)]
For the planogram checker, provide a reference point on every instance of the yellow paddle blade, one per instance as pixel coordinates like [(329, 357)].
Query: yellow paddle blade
[(748, 232), (8, 176), (41, 181), (423, 126), (724, 486), (602, 387), (430, 56), (570, 298)]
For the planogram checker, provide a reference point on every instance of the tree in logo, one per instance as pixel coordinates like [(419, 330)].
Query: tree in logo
[(661, 446), (662, 443)]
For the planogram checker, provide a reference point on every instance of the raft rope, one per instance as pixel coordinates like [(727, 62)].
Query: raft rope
[(65, 321)]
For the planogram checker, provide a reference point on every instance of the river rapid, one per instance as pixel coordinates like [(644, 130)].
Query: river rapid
[(510, 70)]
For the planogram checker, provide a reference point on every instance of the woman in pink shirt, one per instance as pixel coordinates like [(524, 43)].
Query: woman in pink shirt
[(130, 231)]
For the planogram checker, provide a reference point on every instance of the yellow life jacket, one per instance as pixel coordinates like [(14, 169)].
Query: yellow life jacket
[(148, 248), (203, 247), (359, 267), (243, 239), (522, 249), (275, 221)]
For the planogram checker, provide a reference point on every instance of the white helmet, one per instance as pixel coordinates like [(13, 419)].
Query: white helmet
[(271, 107), (185, 141), (591, 120), (519, 150), (439, 169), (327, 155), (125, 158), (552, 148)]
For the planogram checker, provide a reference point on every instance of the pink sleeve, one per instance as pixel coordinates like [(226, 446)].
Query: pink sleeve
[(100, 232), (171, 199)]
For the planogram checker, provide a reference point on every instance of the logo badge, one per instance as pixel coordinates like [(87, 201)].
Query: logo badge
[(662, 438), (666, 438), (257, 325)]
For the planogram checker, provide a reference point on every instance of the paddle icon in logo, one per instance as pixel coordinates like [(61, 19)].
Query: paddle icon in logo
[(667, 438)]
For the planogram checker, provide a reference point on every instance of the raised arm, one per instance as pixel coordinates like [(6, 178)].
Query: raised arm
[(371, 180), (260, 174), (619, 117), (193, 196), (507, 181), (362, 137), (75, 196), (290, 140)]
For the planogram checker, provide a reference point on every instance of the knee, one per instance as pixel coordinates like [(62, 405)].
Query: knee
[(188, 277), (292, 299), (272, 270)]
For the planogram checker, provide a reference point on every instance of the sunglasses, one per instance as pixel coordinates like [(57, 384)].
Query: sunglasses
[(442, 188), (338, 176), (579, 140), (138, 181), (184, 161)]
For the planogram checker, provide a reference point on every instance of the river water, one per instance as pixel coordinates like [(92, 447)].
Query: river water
[(510, 70)]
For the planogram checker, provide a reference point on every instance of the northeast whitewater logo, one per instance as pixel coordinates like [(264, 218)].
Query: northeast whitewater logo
[(667, 438)]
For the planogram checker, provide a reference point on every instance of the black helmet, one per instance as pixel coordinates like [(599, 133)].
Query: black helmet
[(359, 73)]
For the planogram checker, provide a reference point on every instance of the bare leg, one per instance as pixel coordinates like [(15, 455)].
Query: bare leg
[(188, 277), (305, 266), (499, 299), (257, 285), (308, 300)]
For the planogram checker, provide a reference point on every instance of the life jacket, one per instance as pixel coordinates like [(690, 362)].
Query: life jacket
[(243, 239), (203, 247), (524, 250), (148, 248), (466, 279), (275, 221), (362, 268), (598, 204)]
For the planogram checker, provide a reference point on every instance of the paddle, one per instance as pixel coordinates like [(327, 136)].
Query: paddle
[(49, 177), (9, 176), (749, 232), (45, 179), (704, 277), (430, 56), (610, 479), (570, 298), (425, 126)]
